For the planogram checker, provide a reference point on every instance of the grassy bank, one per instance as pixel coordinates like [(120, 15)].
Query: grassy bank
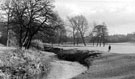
[(111, 66)]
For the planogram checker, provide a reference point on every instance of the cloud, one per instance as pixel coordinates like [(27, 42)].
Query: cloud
[(118, 14)]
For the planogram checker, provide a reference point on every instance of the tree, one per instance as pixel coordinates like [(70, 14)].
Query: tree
[(73, 26), (6, 7), (80, 24), (104, 34), (100, 34), (30, 17), (77, 37), (94, 33), (60, 31), (3, 33)]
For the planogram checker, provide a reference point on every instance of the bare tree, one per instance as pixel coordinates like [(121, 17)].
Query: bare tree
[(60, 31), (77, 37), (73, 26), (29, 17), (79, 23)]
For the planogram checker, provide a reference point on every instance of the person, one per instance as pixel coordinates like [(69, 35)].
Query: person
[(109, 48)]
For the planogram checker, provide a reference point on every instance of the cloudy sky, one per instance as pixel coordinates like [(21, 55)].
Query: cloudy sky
[(119, 15)]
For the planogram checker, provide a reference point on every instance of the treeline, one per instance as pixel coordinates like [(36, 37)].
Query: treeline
[(98, 36), (117, 38), (25, 21), (121, 38)]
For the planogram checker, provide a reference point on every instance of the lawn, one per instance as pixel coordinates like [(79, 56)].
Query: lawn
[(122, 48), (111, 66)]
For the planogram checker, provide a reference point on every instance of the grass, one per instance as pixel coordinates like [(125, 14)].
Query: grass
[(111, 66)]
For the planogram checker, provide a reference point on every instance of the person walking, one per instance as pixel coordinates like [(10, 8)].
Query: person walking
[(109, 48)]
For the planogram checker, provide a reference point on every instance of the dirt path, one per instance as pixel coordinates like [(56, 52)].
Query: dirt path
[(65, 70)]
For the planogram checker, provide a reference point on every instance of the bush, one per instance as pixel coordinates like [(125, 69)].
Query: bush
[(23, 64), (3, 40), (38, 44)]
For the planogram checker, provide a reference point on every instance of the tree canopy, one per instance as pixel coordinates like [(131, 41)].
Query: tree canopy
[(30, 17)]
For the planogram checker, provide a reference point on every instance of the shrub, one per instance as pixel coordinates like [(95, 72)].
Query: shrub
[(3, 40), (38, 44), (23, 64)]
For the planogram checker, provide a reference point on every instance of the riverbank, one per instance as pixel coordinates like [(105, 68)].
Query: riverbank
[(41, 64), (111, 66)]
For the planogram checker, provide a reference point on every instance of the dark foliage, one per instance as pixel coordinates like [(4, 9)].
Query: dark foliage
[(52, 49), (3, 40)]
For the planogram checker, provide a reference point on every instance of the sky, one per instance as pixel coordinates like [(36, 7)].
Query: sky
[(119, 15)]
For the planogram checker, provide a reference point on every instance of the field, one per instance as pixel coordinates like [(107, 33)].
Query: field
[(122, 48), (111, 66)]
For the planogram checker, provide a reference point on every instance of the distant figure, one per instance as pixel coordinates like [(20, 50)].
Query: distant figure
[(109, 48)]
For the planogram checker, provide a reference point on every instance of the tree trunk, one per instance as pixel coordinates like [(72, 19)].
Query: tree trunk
[(103, 44), (77, 40), (7, 38), (28, 42), (20, 38), (100, 41), (104, 41), (93, 40), (60, 39), (8, 31), (25, 37), (73, 38), (97, 40), (83, 38)]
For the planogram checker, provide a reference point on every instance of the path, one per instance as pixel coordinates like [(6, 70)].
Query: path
[(65, 70)]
